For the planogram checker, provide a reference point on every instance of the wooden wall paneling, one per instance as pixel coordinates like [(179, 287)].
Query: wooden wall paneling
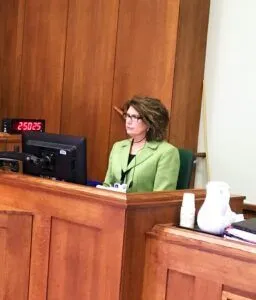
[(146, 45), (15, 246), (40, 257), (207, 289), (88, 79), (179, 285), (85, 258), (43, 61), (82, 245), (11, 36), (155, 274), (2, 30), (189, 72), (145, 219), (185, 286), (140, 218)]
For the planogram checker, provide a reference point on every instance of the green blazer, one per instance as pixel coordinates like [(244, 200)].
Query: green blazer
[(154, 168)]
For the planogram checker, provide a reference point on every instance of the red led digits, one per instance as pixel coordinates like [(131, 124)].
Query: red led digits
[(28, 126)]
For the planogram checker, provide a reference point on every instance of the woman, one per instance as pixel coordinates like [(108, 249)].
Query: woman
[(145, 162)]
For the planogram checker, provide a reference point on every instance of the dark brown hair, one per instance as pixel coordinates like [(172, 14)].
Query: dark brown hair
[(153, 113)]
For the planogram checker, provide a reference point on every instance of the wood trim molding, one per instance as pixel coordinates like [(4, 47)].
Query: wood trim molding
[(251, 207)]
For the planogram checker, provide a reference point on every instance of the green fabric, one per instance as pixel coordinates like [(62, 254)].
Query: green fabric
[(186, 167), (155, 167)]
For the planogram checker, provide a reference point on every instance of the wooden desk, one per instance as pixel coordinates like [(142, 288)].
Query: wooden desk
[(81, 242), (249, 210), (184, 264), (10, 142)]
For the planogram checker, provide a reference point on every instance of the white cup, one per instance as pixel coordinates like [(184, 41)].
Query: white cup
[(187, 211), (188, 200)]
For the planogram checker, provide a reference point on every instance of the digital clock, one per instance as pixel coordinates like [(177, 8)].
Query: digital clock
[(18, 125)]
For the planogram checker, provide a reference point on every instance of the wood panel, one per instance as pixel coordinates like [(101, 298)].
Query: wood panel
[(81, 244), (9, 141), (179, 285), (13, 142), (39, 256), (83, 256), (11, 35), (88, 78), (134, 249), (207, 289), (146, 46), (189, 73), (15, 241), (43, 61), (205, 266), (78, 254)]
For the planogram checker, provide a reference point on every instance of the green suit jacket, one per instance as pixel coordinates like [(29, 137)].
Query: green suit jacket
[(154, 168)]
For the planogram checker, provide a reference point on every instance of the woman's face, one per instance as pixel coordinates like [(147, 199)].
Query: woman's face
[(135, 126)]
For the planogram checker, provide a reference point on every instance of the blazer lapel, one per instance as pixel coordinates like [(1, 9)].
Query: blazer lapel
[(125, 154), (142, 155)]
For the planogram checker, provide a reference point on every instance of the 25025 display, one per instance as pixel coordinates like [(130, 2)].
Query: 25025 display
[(18, 125)]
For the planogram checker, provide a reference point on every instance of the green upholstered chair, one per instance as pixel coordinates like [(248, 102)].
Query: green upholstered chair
[(187, 161)]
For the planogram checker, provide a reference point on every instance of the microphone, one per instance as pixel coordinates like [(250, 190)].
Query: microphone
[(131, 183), (123, 175)]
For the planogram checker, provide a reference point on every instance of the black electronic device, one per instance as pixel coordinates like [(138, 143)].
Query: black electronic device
[(60, 157), (248, 225), (18, 125)]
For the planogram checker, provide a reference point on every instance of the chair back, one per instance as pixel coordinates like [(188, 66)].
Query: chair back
[(187, 160)]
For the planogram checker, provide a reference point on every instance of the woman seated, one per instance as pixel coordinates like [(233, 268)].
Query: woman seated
[(145, 162)]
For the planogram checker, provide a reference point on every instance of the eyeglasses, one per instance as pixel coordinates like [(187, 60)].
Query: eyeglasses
[(133, 118)]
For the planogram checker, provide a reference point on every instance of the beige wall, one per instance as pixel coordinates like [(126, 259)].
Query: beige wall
[(230, 97)]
